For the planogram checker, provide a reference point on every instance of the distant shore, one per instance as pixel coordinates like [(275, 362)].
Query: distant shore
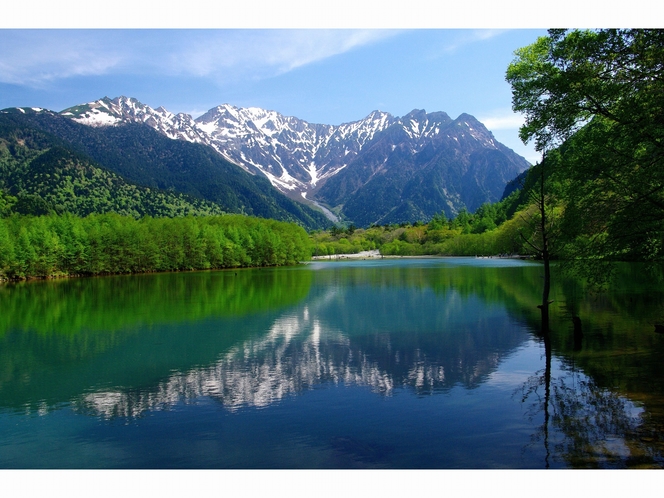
[(375, 254)]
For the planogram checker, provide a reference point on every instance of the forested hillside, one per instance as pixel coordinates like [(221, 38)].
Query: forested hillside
[(40, 175), (501, 228), (594, 106), (142, 156)]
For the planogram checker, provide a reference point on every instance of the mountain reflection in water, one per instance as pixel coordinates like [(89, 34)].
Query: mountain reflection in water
[(451, 346), (299, 352)]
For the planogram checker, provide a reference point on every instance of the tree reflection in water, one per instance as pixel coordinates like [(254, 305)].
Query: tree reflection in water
[(585, 425)]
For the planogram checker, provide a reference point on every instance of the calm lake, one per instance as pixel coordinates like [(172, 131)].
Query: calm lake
[(398, 363)]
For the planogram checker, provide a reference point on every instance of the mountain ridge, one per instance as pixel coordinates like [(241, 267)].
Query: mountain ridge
[(338, 167)]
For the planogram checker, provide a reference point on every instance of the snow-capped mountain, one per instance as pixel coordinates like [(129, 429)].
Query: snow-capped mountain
[(107, 112), (295, 155), (332, 164), (421, 165)]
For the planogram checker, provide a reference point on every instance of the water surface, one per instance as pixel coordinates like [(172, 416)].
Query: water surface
[(413, 363)]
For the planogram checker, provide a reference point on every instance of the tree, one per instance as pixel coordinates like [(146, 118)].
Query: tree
[(438, 221), (542, 231), (597, 97), (6, 203), (6, 250), (462, 221)]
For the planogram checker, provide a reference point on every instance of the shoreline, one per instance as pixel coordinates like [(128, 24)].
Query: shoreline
[(375, 254), (363, 255)]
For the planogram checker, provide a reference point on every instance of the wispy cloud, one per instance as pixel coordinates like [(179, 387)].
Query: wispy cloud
[(259, 54), (504, 124), (504, 119), (35, 57), (474, 36), (38, 57), (460, 38)]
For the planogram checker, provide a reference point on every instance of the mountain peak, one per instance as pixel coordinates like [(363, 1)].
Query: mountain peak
[(418, 114), (373, 115), (439, 117), (468, 119)]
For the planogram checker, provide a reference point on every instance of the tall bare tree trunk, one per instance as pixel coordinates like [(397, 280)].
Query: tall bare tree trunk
[(546, 257)]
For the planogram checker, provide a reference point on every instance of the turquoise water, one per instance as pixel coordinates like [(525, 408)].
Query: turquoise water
[(413, 363)]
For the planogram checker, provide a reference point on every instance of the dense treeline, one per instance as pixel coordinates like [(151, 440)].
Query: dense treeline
[(593, 102), (61, 245), (501, 228)]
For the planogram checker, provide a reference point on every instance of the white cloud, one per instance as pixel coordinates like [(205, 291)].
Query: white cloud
[(477, 35), (462, 38), (34, 58), (505, 120), (264, 53), (37, 57), (504, 124)]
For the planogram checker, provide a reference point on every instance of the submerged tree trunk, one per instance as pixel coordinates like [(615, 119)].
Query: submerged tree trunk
[(544, 307)]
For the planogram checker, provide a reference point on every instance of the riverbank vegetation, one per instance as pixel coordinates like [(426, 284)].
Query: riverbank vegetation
[(501, 228)]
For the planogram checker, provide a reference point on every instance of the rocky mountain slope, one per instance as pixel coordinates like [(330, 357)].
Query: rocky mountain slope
[(376, 170)]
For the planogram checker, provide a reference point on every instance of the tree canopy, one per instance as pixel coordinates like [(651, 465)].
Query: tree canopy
[(564, 80), (597, 99), (99, 244)]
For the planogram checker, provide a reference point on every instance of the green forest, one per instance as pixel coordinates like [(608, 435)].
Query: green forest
[(494, 229), (67, 245), (594, 107)]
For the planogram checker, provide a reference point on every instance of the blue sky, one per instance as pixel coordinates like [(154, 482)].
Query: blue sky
[(321, 76)]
